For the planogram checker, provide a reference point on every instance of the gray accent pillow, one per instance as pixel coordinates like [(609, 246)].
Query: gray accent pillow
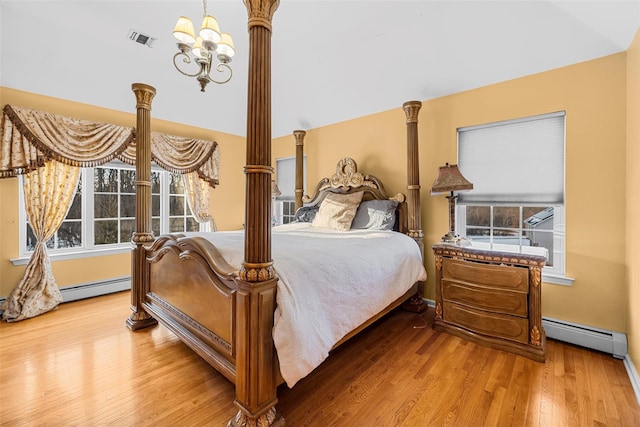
[(375, 215), (306, 214)]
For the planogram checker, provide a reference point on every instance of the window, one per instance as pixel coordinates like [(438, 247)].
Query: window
[(69, 235), (288, 211), (102, 214), (114, 204), (285, 205), (517, 169), (180, 217)]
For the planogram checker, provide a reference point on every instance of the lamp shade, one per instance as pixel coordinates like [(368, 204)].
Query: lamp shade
[(275, 191), (209, 30), (183, 31), (225, 47), (450, 179)]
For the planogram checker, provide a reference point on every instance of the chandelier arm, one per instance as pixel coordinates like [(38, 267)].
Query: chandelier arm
[(186, 60), (220, 70)]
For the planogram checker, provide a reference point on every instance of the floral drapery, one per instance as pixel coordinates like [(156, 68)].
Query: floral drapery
[(50, 149), (31, 137), (195, 190), (181, 155), (48, 193)]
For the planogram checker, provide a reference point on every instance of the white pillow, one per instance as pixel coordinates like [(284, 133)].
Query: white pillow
[(337, 211)]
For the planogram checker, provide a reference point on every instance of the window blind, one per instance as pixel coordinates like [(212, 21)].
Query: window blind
[(514, 162), (286, 176)]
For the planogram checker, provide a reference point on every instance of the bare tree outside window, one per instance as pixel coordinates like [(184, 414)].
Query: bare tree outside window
[(180, 216), (69, 235), (109, 209)]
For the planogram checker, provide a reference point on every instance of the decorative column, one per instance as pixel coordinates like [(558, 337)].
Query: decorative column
[(299, 134), (256, 296), (411, 109), (142, 234)]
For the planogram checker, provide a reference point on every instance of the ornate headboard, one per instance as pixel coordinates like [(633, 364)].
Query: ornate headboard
[(347, 180)]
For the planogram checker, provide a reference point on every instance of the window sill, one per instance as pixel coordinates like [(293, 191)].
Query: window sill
[(557, 280), (64, 256)]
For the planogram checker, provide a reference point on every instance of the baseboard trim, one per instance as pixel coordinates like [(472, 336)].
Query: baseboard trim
[(94, 289), (633, 376), (611, 342)]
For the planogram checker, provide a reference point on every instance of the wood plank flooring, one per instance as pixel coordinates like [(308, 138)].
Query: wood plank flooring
[(80, 366)]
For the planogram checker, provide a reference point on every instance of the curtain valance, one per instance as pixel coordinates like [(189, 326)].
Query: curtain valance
[(181, 155), (31, 137)]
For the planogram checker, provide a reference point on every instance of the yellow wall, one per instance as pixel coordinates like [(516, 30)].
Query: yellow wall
[(592, 93), (633, 199), (227, 200), (593, 96)]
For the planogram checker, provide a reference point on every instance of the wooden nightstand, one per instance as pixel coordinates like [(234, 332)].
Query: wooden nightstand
[(490, 297)]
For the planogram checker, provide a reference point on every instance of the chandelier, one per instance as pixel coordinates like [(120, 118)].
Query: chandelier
[(209, 45)]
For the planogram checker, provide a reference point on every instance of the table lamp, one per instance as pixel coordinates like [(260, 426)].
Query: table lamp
[(450, 179)]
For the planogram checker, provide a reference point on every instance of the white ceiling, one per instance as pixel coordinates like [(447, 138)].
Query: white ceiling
[(331, 60)]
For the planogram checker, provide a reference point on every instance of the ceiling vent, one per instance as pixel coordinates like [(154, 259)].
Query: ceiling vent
[(141, 38)]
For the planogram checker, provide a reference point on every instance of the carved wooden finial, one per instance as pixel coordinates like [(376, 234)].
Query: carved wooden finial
[(144, 95), (299, 135), (411, 109), (261, 12)]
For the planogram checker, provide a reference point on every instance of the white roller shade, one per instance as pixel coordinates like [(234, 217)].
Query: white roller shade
[(514, 162), (286, 176)]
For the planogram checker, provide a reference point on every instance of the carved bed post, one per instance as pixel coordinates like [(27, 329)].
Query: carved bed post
[(411, 109), (256, 296), (143, 234), (299, 134)]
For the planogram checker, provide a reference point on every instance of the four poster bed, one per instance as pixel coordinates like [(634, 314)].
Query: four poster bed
[(242, 300), (334, 278)]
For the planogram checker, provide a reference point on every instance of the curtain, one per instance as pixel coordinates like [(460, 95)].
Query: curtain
[(197, 192), (31, 137), (50, 149), (181, 155), (48, 194)]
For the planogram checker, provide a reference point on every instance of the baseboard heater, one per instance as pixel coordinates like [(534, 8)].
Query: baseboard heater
[(611, 342), (94, 289)]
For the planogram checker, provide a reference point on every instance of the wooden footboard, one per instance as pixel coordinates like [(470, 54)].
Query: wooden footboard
[(192, 291)]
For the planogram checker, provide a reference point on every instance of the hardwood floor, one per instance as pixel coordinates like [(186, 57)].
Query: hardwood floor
[(80, 366)]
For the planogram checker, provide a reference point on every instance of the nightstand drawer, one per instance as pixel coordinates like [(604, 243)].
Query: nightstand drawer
[(494, 276), (499, 301), (496, 325)]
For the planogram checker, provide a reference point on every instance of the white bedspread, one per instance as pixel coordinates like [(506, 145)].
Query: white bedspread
[(330, 283)]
